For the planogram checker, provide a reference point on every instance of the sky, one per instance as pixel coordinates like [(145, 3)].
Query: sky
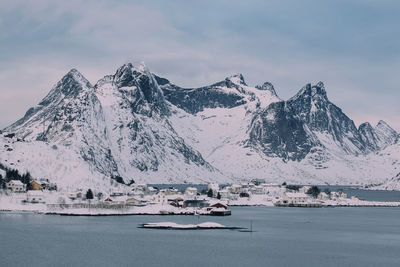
[(352, 46)]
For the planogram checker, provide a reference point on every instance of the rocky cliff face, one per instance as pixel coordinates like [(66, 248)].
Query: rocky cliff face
[(378, 137), (289, 129)]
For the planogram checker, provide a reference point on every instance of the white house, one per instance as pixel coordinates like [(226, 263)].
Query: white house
[(191, 191), (294, 198), (257, 190), (270, 185), (16, 186), (139, 187), (224, 193), (169, 191), (34, 196), (132, 201), (304, 189), (74, 195), (235, 189), (339, 194), (152, 191), (258, 181), (323, 196)]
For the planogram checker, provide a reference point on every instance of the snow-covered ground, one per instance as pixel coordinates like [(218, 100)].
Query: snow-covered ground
[(57, 203)]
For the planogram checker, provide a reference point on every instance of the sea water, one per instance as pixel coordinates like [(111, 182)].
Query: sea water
[(282, 237)]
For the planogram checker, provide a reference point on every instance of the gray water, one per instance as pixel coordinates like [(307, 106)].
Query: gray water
[(283, 237)]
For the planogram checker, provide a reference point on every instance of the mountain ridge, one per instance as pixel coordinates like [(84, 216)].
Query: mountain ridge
[(141, 126)]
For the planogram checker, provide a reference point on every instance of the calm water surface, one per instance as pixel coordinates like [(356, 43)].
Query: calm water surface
[(284, 237)]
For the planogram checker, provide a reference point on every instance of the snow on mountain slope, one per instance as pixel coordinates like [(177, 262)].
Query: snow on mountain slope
[(70, 115), (220, 132), (333, 149), (390, 159), (391, 184), (58, 163)]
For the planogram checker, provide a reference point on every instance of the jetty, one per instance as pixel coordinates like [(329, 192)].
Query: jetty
[(175, 226)]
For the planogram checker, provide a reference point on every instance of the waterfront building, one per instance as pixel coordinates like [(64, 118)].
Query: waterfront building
[(294, 198), (34, 196)]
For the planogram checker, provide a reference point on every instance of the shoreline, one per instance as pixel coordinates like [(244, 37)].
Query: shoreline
[(103, 213)]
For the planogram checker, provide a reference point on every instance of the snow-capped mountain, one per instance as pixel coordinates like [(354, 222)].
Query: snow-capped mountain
[(119, 126), (140, 126), (249, 131)]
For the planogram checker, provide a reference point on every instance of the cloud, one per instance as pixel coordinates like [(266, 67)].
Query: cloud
[(352, 46)]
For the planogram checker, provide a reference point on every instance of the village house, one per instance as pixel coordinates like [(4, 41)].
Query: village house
[(108, 200), (35, 186), (235, 189), (34, 196), (338, 194), (139, 188), (270, 185), (169, 191), (46, 185), (273, 190), (116, 194), (224, 193), (257, 190), (177, 202), (16, 186), (246, 186), (133, 202), (191, 191), (294, 198), (304, 189), (74, 195), (323, 196), (258, 181), (195, 204), (152, 191)]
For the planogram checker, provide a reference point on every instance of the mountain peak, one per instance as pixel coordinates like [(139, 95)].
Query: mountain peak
[(320, 85), (69, 86), (237, 79), (75, 75), (365, 125), (383, 126), (313, 91), (124, 75), (142, 67), (382, 123), (127, 73), (267, 86)]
